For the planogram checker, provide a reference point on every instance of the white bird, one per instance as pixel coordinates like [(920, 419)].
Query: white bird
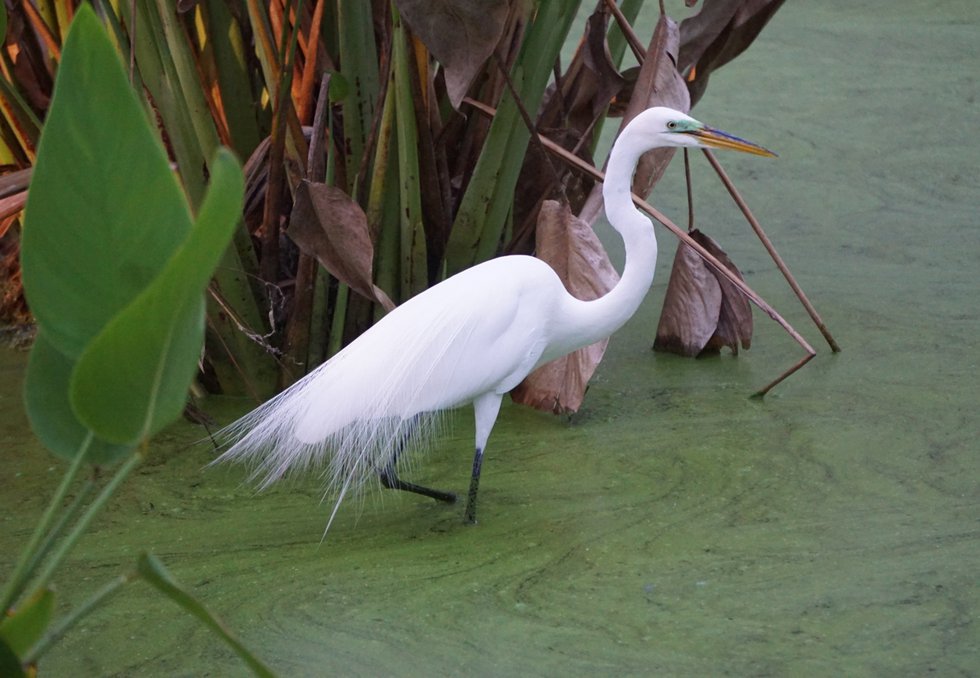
[(469, 339)]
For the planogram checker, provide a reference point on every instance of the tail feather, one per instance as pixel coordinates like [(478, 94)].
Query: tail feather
[(353, 414)]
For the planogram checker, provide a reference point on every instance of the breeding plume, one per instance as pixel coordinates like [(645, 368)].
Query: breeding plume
[(470, 339)]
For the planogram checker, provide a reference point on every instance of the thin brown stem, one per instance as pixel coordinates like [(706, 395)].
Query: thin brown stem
[(771, 249), (690, 191), (631, 38)]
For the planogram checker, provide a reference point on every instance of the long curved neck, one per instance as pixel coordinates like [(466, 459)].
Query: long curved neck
[(600, 318)]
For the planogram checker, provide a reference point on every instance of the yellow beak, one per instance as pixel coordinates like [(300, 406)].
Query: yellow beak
[(715, 138)]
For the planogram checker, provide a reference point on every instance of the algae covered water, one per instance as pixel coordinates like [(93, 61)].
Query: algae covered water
[(673, 526)]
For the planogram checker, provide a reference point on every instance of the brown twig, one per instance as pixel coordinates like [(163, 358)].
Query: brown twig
[(771, 249), (631, 38), (577, 163), (690, 191)]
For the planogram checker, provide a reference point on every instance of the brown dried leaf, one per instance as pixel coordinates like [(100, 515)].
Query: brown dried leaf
[(702, 310), (461, 34), (691, 306), (717, 34), (327, 224), (569, 246), (658, 84), (735, 316)]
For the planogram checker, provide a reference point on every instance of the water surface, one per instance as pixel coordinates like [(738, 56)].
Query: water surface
[(673, 526)]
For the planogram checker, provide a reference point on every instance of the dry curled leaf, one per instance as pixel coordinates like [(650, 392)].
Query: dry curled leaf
[(327, 224), (569, 246), (717, 34), (702, 311), (460, 34)]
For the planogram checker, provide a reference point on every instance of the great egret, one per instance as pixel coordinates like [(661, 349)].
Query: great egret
[(469, 339)]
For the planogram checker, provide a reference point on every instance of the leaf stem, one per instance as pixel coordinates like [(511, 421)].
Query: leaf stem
[(15, 582), (66, 517), (55, 632), (66, 546)]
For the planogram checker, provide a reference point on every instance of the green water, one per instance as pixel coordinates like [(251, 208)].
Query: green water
[(673, 526)]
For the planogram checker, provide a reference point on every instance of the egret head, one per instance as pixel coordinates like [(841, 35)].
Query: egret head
[(659, 126)]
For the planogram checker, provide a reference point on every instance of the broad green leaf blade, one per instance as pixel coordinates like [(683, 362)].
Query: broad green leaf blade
[(359, 65), (414, 264), (9, 662), (154, 572), (29, 622), (104, 213), (49, 410), (132, 380)]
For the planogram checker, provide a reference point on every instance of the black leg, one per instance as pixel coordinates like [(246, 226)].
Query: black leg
[(474, 487), (391, 480), (389, 476)]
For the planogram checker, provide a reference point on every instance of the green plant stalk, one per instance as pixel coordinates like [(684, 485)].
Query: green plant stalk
[(414, 264), (237, 96), (161, 80), (192, 97), (318, 319), (258, 18), (383, 204), (66, 546), (339, 316), (319, 331), (65, 624), (66, 518), (489, 197), (107, 12), (15, 583), (359, 65)]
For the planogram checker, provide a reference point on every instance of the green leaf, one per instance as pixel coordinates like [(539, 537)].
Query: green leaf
[(104, 213), (339, 88), (154, 572), (133, 378), (49, 410), (3, 21), (29, 623), (9, 662)]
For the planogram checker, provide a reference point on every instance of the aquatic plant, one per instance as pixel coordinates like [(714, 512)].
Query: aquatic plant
[(114, 267)]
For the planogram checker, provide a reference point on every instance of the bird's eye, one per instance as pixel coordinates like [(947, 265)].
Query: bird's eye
[(671, 125)]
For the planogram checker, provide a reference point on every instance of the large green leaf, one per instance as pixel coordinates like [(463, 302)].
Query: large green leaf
[(49, 410), (105, 212), (133, 378)]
